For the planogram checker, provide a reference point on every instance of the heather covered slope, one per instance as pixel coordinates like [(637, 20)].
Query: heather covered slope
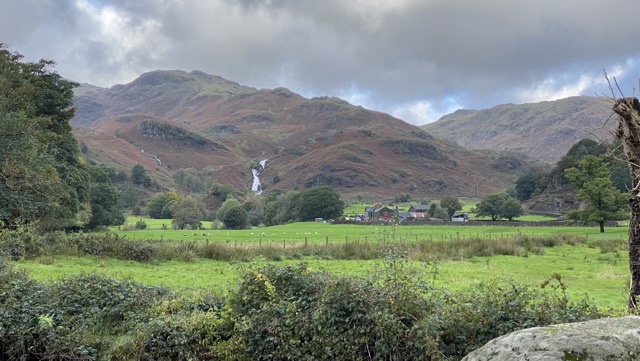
[(544, 130), (196, 120)]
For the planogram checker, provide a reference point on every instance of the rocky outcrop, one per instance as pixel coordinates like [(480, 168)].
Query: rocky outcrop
[(595, 340)]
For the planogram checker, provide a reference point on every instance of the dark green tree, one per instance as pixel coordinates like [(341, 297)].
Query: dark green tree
[(235, 218), (491, 206), (42, 176), (158, 206), (138, 174), (104, 200), (230, 202), (511, 208), (604, 201), (186, 214), (451, 205), (530, 185), (319, 202), (499, 206)]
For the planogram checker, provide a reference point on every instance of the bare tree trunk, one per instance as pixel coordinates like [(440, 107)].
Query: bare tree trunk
[(628, 110)]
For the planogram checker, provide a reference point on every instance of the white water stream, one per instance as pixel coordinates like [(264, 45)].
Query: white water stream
[(256, 186)]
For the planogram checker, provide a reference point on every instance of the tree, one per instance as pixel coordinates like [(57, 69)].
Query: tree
[(628, 110), (158, 206), (186, 214), (319, 202), (491, 205), (230, 202), (511, 208), (104, 200), (138, 174), (530, 185), (451, 205), (499, 206), (604, 201), (235, 218), (42, 177)]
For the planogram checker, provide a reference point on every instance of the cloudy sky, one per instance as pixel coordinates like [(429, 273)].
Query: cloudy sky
[(415, 59)]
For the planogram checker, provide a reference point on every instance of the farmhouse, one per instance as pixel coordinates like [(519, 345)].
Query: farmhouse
[(381, 214), (420, 208)]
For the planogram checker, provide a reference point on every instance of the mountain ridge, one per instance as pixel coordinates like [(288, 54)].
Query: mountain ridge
[(544, 130), (309, 142)]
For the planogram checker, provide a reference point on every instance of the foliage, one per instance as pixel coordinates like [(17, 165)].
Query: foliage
[(255, 210), (186, 214), (72, 319), (190, 179), (102, 245), (138, 175), (499, 206), (104, 200), (21, 241), (218, 193), (511, 208), (319, 202), (159, 206), (128, 197), (235, 218), (230, 202), (141, 224), (280, 207), (595, 187), (42, 175), (451, 205), (172, 132), (531, 185), (403, 197)]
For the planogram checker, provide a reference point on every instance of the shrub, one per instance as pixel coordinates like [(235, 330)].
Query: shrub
[(22, 241), (141, 224)]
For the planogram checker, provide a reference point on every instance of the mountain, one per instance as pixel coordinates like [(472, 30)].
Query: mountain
[(168, 120), (543, 130)]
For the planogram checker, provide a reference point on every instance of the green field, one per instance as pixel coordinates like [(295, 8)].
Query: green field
[(315, 232), (584, 270)]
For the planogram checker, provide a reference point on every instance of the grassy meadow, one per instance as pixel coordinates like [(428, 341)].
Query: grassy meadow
[(583, 270), (315, 232), (597, 265)]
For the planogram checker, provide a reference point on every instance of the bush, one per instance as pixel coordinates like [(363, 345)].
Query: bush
[(71, 319), (141, 224), (105, 245), (23, 241)]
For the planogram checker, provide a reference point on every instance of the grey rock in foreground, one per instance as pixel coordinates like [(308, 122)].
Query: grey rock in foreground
[(595, 340)]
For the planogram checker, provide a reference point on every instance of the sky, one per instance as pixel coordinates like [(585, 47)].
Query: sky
[(414, 59)]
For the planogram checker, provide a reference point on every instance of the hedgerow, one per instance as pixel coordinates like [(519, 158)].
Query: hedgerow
[(276, 312)]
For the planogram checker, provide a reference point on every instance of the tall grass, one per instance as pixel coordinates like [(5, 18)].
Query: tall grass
[(115, 246)]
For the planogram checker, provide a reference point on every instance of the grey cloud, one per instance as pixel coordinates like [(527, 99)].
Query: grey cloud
[(480, 52)]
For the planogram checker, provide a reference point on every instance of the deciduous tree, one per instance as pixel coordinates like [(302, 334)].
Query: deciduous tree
[(235, 218), (319, 202), (104, 200), (42, 176), (604, 201), (451, 205)]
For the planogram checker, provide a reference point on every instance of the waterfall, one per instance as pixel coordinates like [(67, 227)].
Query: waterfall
[(256, 186)]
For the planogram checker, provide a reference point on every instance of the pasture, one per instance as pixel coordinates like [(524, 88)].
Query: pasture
[(315, 232), (583, 269)]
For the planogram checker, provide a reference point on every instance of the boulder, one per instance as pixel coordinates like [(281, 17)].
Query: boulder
[(595, 340)]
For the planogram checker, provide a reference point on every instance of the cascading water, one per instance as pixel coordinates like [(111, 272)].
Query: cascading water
[(256, 186)]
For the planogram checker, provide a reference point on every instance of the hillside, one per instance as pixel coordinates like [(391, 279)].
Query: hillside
[(167, 120), (543, 130)]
